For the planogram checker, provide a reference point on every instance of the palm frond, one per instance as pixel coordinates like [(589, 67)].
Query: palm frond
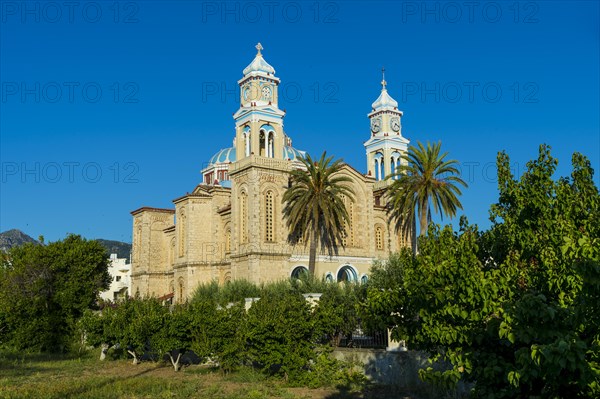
[(313, 206), (423, 180)]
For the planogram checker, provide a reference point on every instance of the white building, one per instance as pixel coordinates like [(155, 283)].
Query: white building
[(120, 273)]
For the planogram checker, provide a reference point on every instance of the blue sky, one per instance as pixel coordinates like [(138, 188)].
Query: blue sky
[(109, 106)]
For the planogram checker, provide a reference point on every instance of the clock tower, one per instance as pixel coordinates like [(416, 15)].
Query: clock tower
[(386, 144), (259, 121)]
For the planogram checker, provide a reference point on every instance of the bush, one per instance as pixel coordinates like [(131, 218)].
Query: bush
[(45, 289), (280, 335), (336, 314)]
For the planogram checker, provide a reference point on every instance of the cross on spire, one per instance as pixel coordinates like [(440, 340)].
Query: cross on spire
[(383, 82), (259, 47)]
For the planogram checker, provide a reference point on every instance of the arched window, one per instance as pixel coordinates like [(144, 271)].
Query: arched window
[(350, 224), (172, 252), (379, 166), (299, 271), (243, 217), (267, 141), (395, 163), (181, 290), (266, 146), (269, 236), (270, 145), (262, 146), (228, 240), (348, 233), (347, 273), (247, 141), (329, 277), (379, 238), (364, 279), (181, 223), (136, 242)]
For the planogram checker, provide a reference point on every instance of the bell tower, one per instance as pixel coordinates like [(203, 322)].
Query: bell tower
[(386, 144), (259, 121)]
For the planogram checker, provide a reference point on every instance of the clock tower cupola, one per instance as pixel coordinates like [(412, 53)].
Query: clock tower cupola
[(386, 144), (259, 121)]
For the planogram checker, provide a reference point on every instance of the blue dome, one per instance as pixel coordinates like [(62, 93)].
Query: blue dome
[(224, 156), (292, 153)]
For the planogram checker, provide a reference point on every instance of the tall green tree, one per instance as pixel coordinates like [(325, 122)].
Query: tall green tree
[(44, 289), (424, 179), (314, 209), (516, 309)]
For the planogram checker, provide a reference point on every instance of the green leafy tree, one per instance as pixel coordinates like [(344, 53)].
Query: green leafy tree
[(516, 309), (280, 336), (386, 304), (314, 210), (173, 337), (94, 327), (233, 291), (132, 324), (136, 323), (219, 333), (231, 339), (424, 178), (335, 315), (45, 289)]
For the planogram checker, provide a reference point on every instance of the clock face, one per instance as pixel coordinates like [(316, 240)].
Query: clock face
[(266, 93), (246, 92), (395, 124), (375, 125)]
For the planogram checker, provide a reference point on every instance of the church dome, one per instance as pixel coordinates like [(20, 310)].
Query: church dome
[(223, 156), (259, 64)]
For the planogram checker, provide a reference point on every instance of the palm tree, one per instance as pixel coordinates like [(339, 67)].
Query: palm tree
[(423, 178), (313, 206)]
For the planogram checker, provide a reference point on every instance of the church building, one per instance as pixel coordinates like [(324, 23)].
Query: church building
[(231, 226)]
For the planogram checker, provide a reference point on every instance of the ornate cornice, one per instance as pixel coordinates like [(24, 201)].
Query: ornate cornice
[(150, 209)]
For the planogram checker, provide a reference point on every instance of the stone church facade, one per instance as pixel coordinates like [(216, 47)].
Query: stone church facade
[(231, 225)]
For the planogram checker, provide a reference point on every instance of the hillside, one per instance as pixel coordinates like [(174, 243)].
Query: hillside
[(122, 249), (14, 238)]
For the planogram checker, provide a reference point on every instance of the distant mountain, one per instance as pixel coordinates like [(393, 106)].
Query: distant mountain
[(14, 238), (122, 249)]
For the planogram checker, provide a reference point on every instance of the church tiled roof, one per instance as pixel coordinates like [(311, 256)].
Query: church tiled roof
[(291, 153)]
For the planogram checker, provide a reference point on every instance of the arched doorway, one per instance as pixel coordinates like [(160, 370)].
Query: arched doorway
[(299, 272), (347, 274)]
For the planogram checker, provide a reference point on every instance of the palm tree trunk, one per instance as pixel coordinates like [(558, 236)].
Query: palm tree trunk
[(312, 255), (423, 221), (413, 237)]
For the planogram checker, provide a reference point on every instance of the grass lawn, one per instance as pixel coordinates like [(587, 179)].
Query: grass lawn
[(52, 376)]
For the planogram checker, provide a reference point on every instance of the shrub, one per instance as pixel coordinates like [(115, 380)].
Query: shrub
[(280, 335)]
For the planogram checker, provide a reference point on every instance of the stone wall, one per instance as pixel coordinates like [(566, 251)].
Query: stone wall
[(385, 367)]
